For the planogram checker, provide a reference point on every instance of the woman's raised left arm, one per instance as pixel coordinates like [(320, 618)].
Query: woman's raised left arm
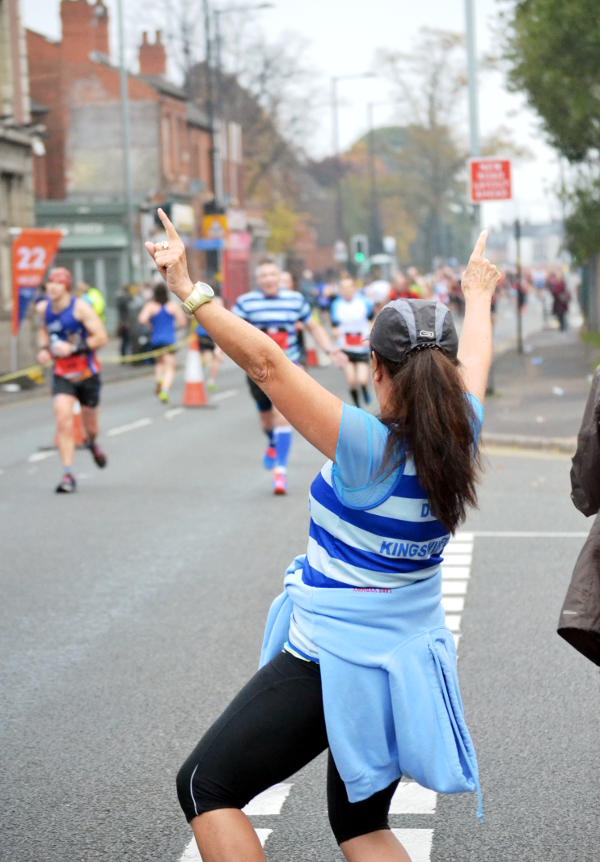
[(314, 411)]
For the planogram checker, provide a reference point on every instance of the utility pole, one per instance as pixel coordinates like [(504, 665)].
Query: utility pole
[(209, 101), (126, 143), (520, 293), (339, 215), (375, 223), (475, 144)]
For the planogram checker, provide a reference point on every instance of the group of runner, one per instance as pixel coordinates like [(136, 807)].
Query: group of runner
[(71, 331)]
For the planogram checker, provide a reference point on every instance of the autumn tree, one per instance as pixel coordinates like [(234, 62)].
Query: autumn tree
[(553, 50), (429, 88)]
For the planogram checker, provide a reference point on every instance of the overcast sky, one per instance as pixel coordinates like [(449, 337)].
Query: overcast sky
[(343, 37)]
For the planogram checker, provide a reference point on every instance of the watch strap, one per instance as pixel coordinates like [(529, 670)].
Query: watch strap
[(197, 298)]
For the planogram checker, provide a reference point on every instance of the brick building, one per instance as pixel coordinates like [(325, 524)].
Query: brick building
[(80, 182), (19, 139)]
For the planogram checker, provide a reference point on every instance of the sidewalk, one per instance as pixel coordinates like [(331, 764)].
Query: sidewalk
[(540, 394)]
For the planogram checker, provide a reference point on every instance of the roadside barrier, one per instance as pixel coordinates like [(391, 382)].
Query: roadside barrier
[(36, 372)]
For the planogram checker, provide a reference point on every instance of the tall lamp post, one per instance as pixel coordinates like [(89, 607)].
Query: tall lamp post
[(339, 215), (375, 232), (126, 142), (475, 144)]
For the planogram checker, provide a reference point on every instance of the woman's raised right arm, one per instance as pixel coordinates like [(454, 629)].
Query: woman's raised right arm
[(475, 345)]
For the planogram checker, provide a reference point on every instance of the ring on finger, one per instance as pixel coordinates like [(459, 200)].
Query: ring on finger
[(164, 244)]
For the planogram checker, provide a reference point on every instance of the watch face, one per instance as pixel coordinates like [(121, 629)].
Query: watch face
[(205, 289)]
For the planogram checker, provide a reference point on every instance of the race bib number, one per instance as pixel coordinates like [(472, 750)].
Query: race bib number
[(280, 337), (353, 339)]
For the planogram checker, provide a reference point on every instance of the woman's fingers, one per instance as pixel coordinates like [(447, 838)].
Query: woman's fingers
[(167, 224), (150, 249), (480, 246)]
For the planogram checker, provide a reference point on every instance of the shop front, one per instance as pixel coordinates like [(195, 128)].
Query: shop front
[(94, 246)]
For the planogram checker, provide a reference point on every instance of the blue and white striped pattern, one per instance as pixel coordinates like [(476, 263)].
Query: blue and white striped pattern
[(275, 314), (393, 544)]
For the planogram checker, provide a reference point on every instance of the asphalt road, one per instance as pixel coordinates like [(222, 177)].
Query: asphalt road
[(133, 610)]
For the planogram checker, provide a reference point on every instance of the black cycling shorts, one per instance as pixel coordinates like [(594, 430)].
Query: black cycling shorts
[(86, 391), (354, 356), (271, 729), (263, 403), (205, 342)]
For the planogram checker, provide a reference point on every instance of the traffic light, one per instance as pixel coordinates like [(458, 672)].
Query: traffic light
[(359, 247)]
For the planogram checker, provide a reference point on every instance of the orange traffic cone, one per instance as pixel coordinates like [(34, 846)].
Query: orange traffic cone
[(312, 357), (194, 393)]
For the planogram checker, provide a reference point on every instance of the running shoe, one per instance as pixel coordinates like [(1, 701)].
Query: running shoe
[(97, 453), (269, 458), (163, 396), (279, 482), (66, 485), (211, 386)]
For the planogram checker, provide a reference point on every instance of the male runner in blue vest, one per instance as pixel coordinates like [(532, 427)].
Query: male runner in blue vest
[(69, 335), (278, 311)]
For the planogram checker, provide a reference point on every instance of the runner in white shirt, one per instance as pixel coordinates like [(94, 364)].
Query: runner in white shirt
[(351, 315)]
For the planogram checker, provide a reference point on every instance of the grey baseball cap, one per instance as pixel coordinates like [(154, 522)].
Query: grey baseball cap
[(413, 324)]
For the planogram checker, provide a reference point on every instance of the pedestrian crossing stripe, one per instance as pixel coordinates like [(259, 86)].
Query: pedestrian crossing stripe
[(416, 842), (269, 802)]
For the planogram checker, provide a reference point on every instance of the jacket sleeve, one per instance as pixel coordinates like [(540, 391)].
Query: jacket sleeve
[(585, 469)]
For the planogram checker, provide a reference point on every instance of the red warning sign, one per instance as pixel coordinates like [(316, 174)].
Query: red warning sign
[(489, 180)]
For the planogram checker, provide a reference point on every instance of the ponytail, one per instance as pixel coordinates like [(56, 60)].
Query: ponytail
[(430, 418)]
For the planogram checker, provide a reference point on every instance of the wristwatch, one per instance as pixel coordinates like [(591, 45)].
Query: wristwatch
[(201, 293)]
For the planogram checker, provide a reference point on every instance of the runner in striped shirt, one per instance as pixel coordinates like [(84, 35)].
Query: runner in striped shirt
[(278, 312)]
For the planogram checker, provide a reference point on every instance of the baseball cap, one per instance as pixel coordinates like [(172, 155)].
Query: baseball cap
[(404, 325), (61, 275)]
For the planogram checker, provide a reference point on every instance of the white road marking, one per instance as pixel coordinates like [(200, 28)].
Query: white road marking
[(40, 456), (490, 534), (458, 548), (191, 853), (456, 560), (455, 573), (453, 604), (223, 396), (269, 802), (411, 798), (453, 623), (132, 426), (417, 843), (454, 588), (462, 537), (173, 412)]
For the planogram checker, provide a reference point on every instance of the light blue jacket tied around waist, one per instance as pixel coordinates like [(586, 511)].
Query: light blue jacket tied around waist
[(390, 687)]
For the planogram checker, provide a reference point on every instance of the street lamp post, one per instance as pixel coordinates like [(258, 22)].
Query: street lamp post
[(375, 232), (126, 142), (339, 214)]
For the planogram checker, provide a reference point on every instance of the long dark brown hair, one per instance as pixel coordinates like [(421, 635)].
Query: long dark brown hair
[(429, 417)]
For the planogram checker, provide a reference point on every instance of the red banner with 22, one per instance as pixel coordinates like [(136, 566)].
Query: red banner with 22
[(33, 251)]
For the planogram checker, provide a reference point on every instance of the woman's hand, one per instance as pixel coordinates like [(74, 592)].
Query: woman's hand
[(171, 261), (480, 277)]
